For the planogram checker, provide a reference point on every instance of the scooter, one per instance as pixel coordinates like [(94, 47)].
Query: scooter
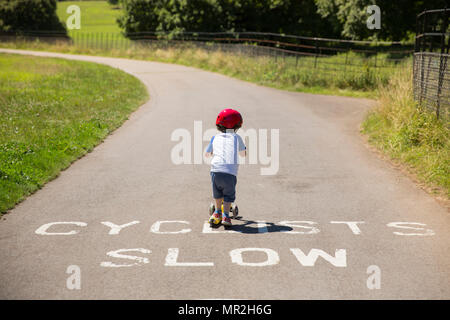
[(215, 223)]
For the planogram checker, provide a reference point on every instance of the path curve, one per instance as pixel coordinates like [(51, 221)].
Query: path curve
[(331, 196)]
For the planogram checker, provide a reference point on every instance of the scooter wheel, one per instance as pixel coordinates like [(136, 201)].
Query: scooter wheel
[(235, 212), (212, 208)]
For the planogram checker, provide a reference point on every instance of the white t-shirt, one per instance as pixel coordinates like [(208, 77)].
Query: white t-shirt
[(225, 148)]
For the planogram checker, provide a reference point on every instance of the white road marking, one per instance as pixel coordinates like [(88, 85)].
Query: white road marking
[(298, 224), (117, 254), (307, 227), (115, 229), (309, 260), (272, 257), (262, 226), (157, 225), (404, 225), (172, 257), (353, 225), (207, 229), (42, 230)]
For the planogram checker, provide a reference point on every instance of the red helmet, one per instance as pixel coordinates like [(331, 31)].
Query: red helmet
[(229, 118)]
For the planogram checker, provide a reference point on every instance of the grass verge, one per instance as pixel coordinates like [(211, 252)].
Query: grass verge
[(411, 135), (332, 77), (53, 111)]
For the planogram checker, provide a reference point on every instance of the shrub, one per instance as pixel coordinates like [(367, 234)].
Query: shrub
[(280, 16), (29, 15)]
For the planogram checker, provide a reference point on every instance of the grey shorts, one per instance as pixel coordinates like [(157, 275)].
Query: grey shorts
[(224, 186)]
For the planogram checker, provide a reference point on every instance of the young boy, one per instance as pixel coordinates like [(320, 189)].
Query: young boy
[(225, 148)]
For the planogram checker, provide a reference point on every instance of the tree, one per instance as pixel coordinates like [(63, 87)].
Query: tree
[(278, 16), (29, 15), (140, 15), (398, 18)]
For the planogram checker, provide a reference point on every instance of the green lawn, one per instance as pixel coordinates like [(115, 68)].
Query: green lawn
[(96, 16), (53, 111)]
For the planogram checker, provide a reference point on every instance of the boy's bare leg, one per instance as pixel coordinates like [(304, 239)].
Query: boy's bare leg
[(226, 214), (219, 204), (227, 207)]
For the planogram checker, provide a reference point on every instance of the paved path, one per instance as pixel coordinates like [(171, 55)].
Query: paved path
[(312, 230)]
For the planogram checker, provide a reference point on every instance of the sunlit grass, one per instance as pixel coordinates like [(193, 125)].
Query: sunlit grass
[(410, 134), (53, 111), (330, 76)]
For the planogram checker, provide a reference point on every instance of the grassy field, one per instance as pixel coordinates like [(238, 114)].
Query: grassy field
[(410, 135), (53, 111), (96, 16), (330, 77)]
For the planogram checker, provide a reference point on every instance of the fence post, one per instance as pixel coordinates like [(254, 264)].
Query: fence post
[(376, 55), (416, 48), (431, 85), (422, 56), (346, 57), (416, 42), (315, 55), (443, 61)]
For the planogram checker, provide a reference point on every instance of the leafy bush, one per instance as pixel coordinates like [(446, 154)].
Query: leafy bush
[(29, 15), (280, 16)]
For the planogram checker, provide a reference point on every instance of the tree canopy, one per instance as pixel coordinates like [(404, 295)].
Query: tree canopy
[(324, 18), (398, 18), (29, 15), (279, 16)]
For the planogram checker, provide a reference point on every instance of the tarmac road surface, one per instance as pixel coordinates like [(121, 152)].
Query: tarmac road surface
[(322, 216)]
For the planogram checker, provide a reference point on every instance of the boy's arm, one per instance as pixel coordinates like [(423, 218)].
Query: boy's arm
[(242, 147), (209, 149)]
